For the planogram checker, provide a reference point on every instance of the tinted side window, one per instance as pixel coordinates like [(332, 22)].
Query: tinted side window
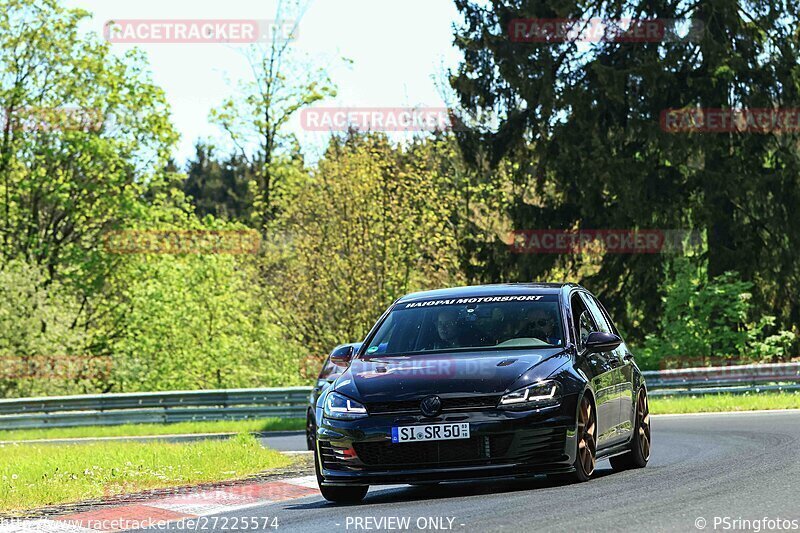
[(327, 369), (582, 320), (614, 329), (597, 314)]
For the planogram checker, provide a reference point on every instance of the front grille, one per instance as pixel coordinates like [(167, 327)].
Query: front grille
[(393, 407), (448, 404), (470, 402), (411, 454)]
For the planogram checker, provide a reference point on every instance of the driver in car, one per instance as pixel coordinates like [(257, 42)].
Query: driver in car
[(539, 324), (447, 330)]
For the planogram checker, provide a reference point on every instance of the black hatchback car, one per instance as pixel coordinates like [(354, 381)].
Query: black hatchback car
[(482, 382)]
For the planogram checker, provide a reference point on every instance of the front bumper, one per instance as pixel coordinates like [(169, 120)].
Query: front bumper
[(501, 444)]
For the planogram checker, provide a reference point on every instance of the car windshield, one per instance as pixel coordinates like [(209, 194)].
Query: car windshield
[(486, 323)]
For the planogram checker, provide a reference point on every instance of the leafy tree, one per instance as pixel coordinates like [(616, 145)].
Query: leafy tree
[(370, 224), (579, 125), (84, 151), (65, 183), (254, 120), (221, 188)]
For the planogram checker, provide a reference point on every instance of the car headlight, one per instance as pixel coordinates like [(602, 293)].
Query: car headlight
[(541, 394), (340, 407)]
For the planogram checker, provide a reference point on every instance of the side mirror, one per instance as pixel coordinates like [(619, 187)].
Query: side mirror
[(602, 342), (341, 356)]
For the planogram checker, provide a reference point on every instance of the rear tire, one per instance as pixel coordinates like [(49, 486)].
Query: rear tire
[(585, 456), (639, 453), (350, 494), (311, 431)]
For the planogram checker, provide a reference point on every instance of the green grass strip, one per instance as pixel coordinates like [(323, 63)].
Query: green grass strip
[(35, 475), (715, 403), (135, 430)]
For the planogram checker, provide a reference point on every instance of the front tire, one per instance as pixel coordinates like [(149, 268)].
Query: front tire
[(639, 454), (352, 494), (585, 458)]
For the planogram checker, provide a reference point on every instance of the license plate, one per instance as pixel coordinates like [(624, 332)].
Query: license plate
[(431, 432)]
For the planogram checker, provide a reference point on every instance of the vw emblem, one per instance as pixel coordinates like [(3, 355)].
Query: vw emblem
[(431, 406)]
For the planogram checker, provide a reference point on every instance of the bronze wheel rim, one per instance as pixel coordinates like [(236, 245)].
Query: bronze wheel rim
[(587, 430), (644, 425)]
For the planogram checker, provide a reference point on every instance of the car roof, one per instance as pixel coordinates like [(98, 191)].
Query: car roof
[(500, 289)]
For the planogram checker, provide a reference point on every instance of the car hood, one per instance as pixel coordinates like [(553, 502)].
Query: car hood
[(399, 378)]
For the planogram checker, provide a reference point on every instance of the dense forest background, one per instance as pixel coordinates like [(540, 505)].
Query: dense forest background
[(574, 142)]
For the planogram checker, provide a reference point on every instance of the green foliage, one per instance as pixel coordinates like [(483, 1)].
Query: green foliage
[(164, 321), (707, 321), (773, 348), (368, 225), (37, 337), (198, 322), (65, 183), (579, 123), (222, 189), (577, 145)]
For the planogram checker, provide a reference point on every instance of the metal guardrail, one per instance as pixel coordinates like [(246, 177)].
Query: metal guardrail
[(291, 402), (152, 407), (735, 379)]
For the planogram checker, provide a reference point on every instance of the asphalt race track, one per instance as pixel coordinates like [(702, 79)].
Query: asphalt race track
[(739, 466), (285, 441)]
